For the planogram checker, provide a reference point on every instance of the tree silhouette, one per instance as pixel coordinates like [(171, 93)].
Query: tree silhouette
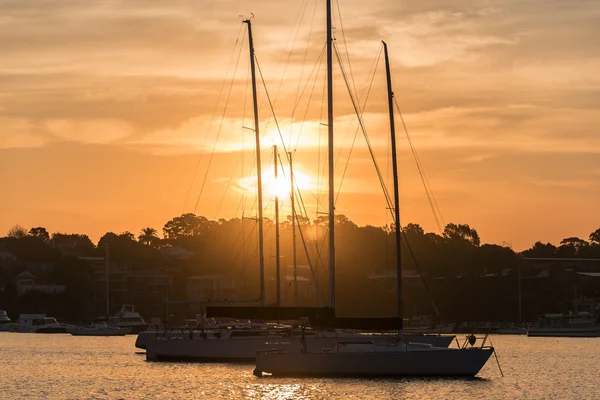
[(462, 232), (148, 237), (73, 244), (40, 233), (595, 237), (541, 250), (17, 232), (187, 225), (571, 247)]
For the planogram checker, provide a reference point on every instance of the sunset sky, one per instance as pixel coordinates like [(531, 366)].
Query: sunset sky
[(106, 107)]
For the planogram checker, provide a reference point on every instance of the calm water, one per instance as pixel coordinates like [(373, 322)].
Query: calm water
[(63, 366)]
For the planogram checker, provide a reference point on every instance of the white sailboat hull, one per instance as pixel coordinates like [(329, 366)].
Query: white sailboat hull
[(184, 348), (417, 362), (210, 349), (145, 337)]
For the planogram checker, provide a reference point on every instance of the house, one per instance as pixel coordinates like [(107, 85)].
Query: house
[(26, 283)]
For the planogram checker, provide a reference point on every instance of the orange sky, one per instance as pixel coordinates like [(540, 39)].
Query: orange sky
[(106, 107)]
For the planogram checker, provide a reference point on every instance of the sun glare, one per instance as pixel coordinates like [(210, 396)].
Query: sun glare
[(278, 187)]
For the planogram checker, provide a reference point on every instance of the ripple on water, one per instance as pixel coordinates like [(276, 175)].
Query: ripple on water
[(64, 366)]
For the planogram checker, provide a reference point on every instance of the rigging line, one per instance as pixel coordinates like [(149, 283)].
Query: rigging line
[(236, 240), (374, 70), (298, 20), (360, 121), (242, 130), (419, 168), (308, 258), (227, 187), (287, 156), (426, 180), (318, 64), (412, 255), (299, 95), (240, 157), (250, 234), (237, 254), (219, 130), (212, 118), (298, 193), (346, 46), (320, 177), (284, 148)]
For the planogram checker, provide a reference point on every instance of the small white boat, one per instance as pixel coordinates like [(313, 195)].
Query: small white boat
[(128, 318), (583, 324), (35, 323), (6, 325), (98, 329), (4, 318)]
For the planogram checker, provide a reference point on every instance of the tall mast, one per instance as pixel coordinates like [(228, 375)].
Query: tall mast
[(107, 292), (330, 158), (261, 255), (292, 198), (395, 174), (277, 255)]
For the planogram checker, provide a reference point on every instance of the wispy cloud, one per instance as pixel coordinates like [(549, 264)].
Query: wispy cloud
[(20, 133), (100, 131)]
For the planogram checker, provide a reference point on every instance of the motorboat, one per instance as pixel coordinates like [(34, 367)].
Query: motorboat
[(98, 329), (128, 318), (6, 325), (36, 323), (4, 318), (581, 324)]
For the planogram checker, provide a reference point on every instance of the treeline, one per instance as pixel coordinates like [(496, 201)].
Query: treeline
[(193, 245)]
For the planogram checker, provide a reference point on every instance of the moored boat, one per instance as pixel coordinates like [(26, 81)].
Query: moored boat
[(98, 329), (367, 360), (582, 324), (36, 323), (241, 343), (4, 318), (128, 318), (407, 360)]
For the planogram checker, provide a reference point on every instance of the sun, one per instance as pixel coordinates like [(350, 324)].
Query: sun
[(280, 186), (277, 187)]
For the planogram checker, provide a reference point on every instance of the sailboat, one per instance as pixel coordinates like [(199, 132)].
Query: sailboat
[(396, 357), (100, 328), (237, 342)]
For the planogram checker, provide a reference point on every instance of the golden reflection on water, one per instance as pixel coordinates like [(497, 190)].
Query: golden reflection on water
[(63, 366)]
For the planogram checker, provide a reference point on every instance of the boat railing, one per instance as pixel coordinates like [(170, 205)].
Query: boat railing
[(471, 340)]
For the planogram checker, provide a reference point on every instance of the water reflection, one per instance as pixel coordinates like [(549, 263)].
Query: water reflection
[(63, 366)]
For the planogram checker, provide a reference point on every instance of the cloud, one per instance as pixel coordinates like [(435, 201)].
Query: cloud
[(89, 131), (576, 184), (477, 158), (147, 74), (522, 128), (20, 133)]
